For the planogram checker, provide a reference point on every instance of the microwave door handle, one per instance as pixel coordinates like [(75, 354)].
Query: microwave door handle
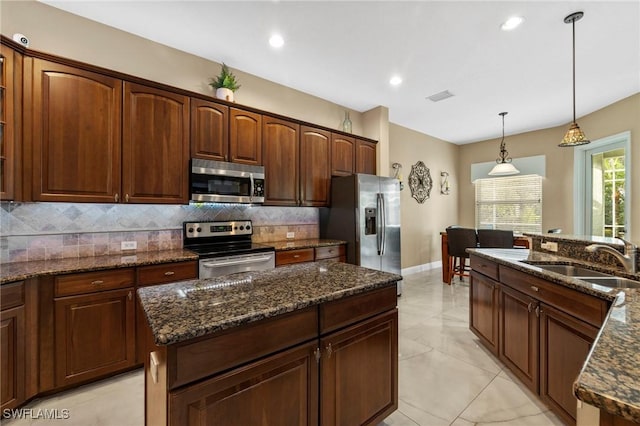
[(251, 187), (216, 264)]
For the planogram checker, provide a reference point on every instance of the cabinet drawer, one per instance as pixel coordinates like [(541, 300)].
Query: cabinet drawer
[(167, 272), (11, 295), (484, 266), (294, 256), (329, 252), (90, 282), (237, 346), (340, 313), (580, 305)]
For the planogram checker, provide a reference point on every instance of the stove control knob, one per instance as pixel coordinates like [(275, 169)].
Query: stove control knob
[(190, 230), (241, 227), (198, 229), (248, 227)]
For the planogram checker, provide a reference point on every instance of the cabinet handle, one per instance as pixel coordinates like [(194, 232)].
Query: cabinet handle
[(97, 282), (530, 307), (295, 256), (130, 295), (153, 366), (534, 288), (538, 311), (329, 350), (318, 353), (169, 273), (116, 197), (126, 198)]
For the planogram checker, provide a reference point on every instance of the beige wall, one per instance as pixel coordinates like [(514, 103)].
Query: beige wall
[(557, 188), (57, 32), (422, 223)]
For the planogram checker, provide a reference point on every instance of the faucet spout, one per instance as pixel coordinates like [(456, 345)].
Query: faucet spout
[(628, 259)]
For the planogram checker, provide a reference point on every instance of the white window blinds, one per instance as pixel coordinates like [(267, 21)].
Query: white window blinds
[(510, 203)]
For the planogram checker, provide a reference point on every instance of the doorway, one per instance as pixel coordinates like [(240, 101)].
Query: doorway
[(602, 178)]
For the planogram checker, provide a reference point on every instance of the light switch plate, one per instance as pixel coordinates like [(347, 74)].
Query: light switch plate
[(128, 245), (291, 234), (551, 246)]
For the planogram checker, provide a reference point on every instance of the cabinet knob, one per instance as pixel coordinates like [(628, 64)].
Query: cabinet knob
[(318, 353), (295, 256), (329, 350), (534, 288), (97, 282), (130, 295), (116, 197), (169, 273), (126, 198)]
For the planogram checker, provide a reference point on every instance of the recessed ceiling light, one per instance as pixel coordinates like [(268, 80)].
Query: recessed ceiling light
[(512, 23), (395, 80), (276, 41)]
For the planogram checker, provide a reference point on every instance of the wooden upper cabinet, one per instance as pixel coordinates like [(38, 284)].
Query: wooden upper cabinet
[(342, 155), (281, 158), (10, 96), (75, 125), (155, 145), (209, 130), (245, 137), (365, 157), (315, 166)]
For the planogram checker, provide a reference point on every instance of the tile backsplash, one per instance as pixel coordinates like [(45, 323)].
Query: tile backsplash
[(43, 231)]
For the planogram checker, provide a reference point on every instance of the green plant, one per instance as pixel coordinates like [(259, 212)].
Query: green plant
[(226, 79)]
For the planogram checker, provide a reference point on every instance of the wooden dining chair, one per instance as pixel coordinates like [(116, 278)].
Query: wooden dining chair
[(459, 240), (495, 238)]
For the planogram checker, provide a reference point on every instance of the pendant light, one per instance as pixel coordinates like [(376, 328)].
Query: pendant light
[(574, 135), (504, 166)]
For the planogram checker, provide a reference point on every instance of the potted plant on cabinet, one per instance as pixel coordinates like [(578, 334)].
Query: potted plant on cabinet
[(225, 84)]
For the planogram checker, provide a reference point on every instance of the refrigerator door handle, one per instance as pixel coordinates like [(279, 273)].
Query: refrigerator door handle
[(384, 223), (379, 223)]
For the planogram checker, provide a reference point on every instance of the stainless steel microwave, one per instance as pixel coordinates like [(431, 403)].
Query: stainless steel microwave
[(222, 182)]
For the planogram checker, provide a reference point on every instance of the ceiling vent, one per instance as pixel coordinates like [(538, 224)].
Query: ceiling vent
[(440, 96)]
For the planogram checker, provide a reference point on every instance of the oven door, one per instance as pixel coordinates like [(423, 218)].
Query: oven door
[(217, 266)]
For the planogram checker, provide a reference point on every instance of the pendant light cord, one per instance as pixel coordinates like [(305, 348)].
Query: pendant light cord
[(573, 25)]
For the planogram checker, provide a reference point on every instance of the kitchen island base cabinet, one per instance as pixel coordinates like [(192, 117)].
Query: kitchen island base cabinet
[(483, 310), (12, 345), (279, 390)]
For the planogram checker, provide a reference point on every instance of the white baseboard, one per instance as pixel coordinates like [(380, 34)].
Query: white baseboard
[(421, 268)]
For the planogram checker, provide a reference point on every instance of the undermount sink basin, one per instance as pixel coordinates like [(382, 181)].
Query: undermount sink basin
[(572, 271), (612, 282)]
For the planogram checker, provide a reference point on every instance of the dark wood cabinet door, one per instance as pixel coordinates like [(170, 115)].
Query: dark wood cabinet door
[(12, 357), (94, 335), (278, 390), (10, 123), (155, 146), (315, 166), (343, 155), (519, 339), (565, 343), (365, 157), (483, 310), (359, 372), (281, 158), (209, 130), (75, 123), (245, 137)]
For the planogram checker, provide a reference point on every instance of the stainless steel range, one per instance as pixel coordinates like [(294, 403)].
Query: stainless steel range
[(226, 248)]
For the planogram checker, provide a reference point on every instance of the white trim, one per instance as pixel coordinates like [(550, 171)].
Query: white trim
[(580, 184), (421, 268)]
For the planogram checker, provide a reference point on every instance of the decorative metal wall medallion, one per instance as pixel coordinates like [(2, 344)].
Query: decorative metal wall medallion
[(420, 182)]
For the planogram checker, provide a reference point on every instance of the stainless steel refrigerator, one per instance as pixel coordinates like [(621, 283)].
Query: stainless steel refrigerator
[(365, 212)]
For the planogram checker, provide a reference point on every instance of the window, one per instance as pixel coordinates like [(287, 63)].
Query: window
[(509, 203)]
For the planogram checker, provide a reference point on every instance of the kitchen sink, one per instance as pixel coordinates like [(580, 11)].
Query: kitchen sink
[(572, 271), (612, 282)]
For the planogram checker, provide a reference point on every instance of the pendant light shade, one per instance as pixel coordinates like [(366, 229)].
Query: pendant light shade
[(574, 135), (503, 166)]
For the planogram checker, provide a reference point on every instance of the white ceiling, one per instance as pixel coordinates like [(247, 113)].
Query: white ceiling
[(346, 52)]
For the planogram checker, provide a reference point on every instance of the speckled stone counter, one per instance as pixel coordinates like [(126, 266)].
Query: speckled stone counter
[(188, 309), (301, 244), (10, 272), (610, 378)]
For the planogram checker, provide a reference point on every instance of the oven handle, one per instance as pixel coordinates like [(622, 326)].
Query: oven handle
[(216, 264)]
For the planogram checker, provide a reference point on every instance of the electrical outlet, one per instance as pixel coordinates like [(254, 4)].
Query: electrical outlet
[(128, 245), (291, 234), (551, 246)]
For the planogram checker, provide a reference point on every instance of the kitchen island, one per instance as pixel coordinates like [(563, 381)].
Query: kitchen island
[(313, 343)]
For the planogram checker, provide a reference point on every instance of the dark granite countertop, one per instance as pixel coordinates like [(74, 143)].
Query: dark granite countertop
[(10, 272), (610, 377), (181, 311), (302, 244)]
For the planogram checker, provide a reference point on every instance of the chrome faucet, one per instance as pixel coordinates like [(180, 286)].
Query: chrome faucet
[(628, 259)]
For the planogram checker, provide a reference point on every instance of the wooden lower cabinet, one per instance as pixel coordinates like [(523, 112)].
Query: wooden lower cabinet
[(518, 340), (94, 335), (359, 372), (279, 390), (12, 345), (483, 310), (565, 343)]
